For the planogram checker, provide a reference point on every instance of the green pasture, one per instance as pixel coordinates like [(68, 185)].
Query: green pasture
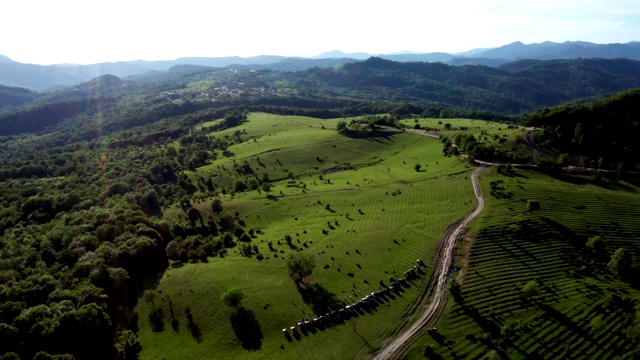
[(508, 137), (305, 146), (582, 310), (358, 205)]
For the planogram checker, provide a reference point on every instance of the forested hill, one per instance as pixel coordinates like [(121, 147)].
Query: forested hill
[(14, 97), (513, 88), (603, 134)]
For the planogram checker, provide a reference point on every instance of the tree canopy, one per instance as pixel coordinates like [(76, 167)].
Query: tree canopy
[(232, 297), (300, 266), (216, 206), (620, 262)]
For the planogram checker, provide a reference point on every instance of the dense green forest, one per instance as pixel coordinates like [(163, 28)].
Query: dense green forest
[(603, 134), (87, 172), (83, 236), (511, 89), (11, 97)]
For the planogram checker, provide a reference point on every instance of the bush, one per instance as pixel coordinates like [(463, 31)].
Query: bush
[(620, 262), (596, 243), (239, 185), (232, 297), (532, 288)]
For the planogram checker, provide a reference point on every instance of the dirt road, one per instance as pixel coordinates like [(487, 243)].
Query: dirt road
[(436, 287), (534, 148), (443, 264)]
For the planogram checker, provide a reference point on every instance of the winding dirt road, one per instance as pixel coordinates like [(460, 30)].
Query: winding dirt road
[(439, 281), (534, 148), (443, 264)]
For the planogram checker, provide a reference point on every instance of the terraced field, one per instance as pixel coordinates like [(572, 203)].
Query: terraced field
[(580, 311)]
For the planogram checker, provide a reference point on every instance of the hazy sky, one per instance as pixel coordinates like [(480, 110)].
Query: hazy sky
[(90, 31)]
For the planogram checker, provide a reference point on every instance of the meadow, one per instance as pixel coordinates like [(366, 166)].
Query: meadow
[(356, 204), (581, 310)]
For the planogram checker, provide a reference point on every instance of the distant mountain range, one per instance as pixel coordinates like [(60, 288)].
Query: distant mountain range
[(44, 78)]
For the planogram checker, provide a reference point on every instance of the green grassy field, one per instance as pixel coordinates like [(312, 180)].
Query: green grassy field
[(382, 216), (507, 138), (581, 311)]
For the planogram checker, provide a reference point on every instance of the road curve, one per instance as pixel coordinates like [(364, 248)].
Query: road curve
[(532, 145), (439, 301)]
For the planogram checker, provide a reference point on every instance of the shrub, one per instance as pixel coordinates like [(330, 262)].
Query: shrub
[(239, 185), (232, 297), (596, 243), (532, 288)]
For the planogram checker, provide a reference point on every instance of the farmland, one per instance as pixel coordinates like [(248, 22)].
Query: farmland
[(362, 211), (581, 310)]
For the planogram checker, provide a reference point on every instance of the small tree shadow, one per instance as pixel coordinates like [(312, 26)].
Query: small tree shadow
[(195, 331), (156, 320), (247, 329)]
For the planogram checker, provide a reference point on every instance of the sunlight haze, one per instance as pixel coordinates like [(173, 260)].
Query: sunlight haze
[(69, 31)]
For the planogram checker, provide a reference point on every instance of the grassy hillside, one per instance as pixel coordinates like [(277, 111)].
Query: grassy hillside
[(581, 310), (356, 204)]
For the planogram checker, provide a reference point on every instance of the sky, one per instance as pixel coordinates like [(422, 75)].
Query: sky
[(85, 32)]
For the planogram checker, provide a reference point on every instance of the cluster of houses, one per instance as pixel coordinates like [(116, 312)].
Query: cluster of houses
[(367, 303), (224, 91)]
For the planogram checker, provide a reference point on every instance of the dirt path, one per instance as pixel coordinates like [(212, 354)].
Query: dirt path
[(436, 287), (443, 264), (532, 145)]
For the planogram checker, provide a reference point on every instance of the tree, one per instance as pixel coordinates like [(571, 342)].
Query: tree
[(194, 215), (173, 250), (300, 266), (150, 201), (150, 297), (239, 185), (509, 328), (620, 262), (266, 187), (341, 126), (127, 344), (227, 240), (633, 331), (621, 167), (216, 206), (596, 243), (532, 288), (597, 324), (232, 297), (417, 167)]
